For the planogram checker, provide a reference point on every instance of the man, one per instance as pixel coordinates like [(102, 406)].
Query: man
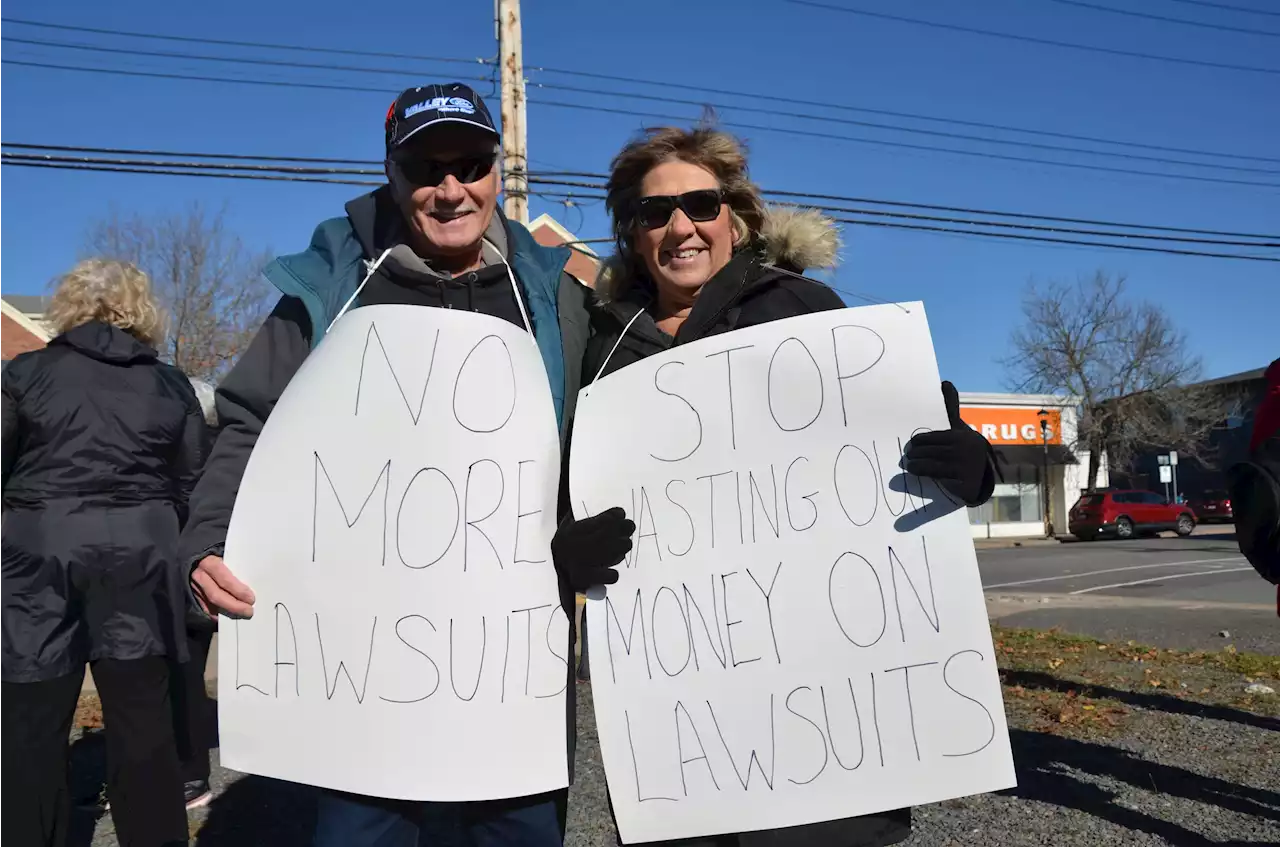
[(434, 237)]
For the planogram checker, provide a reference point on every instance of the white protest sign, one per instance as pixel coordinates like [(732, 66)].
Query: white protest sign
[(799, 633), (395, 523)]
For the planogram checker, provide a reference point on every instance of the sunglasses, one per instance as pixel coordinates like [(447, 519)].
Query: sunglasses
[(702, 205), (429, 172)]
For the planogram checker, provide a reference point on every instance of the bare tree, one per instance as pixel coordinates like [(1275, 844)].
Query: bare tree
[(210, 284), (1125, 361)]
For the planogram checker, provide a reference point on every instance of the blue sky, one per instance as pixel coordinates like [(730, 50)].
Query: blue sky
[(971, 287)]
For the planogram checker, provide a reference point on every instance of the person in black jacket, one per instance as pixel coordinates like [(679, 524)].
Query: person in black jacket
[(102, 445), (699, 255)]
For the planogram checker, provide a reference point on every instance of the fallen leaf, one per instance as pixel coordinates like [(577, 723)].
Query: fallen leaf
[(1054, 664)]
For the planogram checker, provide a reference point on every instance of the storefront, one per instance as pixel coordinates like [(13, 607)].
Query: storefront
[(1034, 436)]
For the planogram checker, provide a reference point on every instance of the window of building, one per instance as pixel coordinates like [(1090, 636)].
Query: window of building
[(1016, 500)]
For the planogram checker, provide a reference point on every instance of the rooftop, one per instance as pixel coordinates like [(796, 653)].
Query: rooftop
[(28, 304)]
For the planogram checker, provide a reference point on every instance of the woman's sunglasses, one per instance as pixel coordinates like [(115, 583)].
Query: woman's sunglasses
[(702, 205), (431, 173)]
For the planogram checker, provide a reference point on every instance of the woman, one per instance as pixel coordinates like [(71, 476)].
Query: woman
[(102, 442), (698, 255)]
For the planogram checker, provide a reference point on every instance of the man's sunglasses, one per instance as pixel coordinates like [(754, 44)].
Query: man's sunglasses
[(429, 172), (702, 205)]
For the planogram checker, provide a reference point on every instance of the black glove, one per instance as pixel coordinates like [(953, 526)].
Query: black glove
[(586, 551), (958, 459)]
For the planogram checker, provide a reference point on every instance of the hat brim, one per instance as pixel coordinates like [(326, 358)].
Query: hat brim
[(445, 120)]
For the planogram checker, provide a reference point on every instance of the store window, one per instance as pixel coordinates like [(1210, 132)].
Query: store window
[(1016, 500)]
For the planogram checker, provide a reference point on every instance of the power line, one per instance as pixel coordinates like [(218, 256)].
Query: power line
[(253, 44), (557, 178), (209, 166), (662, 99), (670, 85), (906, 146), (598, 109), (110, 151), (194, 77), (995, 224), (652, 97), (1047, 239), (935, 133), (1034, 40), (9, 159), (238, 60), (1027, 216), (1183, 21), (1228, 7)]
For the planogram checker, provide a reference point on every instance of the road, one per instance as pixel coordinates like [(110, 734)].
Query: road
[(1167, 591)]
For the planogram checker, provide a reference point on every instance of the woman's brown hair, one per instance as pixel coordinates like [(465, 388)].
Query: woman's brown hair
[(718, 152)]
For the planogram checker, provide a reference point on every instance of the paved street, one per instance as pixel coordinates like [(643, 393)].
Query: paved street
[(1168, 591)]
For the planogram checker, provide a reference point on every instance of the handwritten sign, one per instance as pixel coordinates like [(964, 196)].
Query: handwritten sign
[(799, 633), (395, 523)]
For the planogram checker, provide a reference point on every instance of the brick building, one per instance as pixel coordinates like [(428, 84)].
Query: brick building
[(21, 325), (583, 264)]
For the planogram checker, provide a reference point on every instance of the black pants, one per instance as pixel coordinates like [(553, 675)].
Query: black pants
[(194, 716), (143, 783)]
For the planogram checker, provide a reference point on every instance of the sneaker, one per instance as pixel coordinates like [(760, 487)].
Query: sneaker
[(197, 793)]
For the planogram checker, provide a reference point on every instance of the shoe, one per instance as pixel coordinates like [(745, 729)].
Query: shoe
[(196, 793)]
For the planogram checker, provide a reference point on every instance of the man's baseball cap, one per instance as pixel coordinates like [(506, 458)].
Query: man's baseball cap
[(428, 105)]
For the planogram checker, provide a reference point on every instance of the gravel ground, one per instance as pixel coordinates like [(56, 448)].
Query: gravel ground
[(1114, 745)]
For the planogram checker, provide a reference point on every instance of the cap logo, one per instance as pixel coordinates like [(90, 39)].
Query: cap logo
[(443, 105)]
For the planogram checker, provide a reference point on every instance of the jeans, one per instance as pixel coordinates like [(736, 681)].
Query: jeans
[(350, 820)]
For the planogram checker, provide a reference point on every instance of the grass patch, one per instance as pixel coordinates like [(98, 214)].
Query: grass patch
[(1057, 682)]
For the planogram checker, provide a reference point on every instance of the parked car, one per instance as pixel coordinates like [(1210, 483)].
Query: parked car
[(1126, 514), (1213, 506)]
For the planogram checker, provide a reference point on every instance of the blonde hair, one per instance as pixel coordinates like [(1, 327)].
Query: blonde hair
[(110, 291), (720, 153)]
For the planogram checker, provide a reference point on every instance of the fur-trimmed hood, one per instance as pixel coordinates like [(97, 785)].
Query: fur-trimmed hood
[(793, 238)]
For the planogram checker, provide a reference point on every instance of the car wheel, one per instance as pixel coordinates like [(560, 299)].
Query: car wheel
[(1124, 528), (1185, 525)]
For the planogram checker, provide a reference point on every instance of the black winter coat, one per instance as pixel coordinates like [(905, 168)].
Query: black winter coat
[(102, 445), (744, 293)]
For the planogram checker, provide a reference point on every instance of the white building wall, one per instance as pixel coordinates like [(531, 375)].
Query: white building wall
[(1066, 481)]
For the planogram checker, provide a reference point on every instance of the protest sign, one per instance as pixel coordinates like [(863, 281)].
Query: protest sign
[(395, 523), (799, 633)]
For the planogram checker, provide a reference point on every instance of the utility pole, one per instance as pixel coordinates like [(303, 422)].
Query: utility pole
[(515, 161)]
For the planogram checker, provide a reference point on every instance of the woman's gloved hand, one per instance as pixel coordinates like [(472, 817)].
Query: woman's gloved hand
[(958, 459), (587, 551)]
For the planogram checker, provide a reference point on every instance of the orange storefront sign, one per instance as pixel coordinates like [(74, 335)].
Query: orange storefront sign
[(1012, 426)]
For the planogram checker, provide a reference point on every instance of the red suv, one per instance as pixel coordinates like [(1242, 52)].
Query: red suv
[(1125, 514)]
